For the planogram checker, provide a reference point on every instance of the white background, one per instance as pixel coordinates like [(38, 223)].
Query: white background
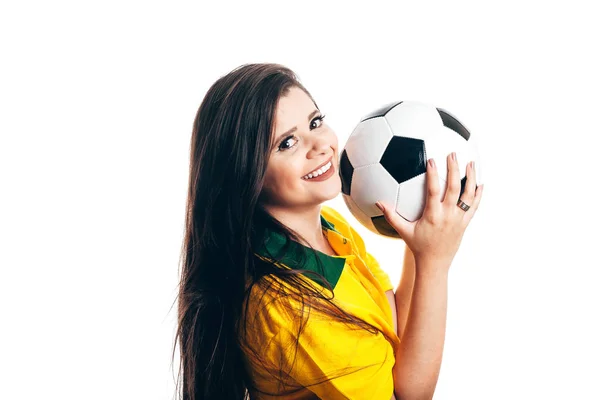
[(97, 101)]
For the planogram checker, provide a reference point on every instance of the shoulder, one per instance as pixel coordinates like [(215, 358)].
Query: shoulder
[(270, 304)]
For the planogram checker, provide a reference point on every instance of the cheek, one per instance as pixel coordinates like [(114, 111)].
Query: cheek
[(280, 175), (333, 139), (270, 182), (288, 176)]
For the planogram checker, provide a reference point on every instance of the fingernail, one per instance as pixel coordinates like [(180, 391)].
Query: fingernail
[(432, 163), (454, 156), (379, 205)]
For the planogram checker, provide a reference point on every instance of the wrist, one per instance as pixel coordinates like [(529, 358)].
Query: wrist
[(432, 266)]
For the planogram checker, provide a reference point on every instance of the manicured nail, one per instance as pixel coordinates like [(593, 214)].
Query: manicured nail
[(454, 156), (379, 205)]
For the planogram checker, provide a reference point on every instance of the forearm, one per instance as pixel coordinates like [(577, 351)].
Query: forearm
[(419, 357), (404, 290)]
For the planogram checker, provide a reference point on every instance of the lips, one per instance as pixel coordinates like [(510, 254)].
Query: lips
[(320, 166), (323, 176)]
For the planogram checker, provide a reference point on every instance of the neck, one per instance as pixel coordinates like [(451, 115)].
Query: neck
[(305, 222)]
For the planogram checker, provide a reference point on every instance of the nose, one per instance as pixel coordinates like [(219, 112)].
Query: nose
[(318, 147)]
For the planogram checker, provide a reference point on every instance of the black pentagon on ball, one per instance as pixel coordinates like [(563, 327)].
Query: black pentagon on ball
[(404, 158), (463, 184), (452, 123), (384, 227), (346, 171), (380, 112)]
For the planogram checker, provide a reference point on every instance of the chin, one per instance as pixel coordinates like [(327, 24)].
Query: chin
[(334, 188)]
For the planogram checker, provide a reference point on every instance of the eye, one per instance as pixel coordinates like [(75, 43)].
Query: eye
[(288, 143), (317, 122)]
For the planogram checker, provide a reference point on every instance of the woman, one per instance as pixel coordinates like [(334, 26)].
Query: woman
[(278, 296)]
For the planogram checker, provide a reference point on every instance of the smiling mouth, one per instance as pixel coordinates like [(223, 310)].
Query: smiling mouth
[(324, 171)]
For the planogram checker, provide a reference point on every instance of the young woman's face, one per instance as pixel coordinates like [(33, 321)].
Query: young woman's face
[(302, 170)]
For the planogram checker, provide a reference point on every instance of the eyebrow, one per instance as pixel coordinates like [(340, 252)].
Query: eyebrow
[(294, 129)]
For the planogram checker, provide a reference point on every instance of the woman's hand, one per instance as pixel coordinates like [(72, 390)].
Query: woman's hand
[(436, 236)]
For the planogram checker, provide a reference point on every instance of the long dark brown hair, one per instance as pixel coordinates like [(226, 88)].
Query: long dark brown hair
[(225, 224)]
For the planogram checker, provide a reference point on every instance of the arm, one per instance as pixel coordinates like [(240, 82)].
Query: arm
[(419, 357), (404, 291), (400, 301), (425, 339), (434, 240)]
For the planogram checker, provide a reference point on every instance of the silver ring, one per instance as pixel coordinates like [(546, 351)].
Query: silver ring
[(463, 206)]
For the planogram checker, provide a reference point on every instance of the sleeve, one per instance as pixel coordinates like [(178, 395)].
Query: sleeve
[(332, 360), (382, 277)]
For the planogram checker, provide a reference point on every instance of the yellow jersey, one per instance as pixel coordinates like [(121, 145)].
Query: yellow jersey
[(333, 360)]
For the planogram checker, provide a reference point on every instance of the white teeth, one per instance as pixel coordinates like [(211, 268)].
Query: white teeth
[(318, 172)]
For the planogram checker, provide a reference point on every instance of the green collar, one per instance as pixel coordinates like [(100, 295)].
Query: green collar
[(331, 269), (327, 224)]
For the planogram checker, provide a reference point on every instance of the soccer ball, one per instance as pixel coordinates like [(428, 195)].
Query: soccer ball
[(385, 160)]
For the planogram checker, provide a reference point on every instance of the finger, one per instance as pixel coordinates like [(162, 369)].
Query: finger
[(433, 201), (453, 189), (402, 226), (478, 193), (470, 186)]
